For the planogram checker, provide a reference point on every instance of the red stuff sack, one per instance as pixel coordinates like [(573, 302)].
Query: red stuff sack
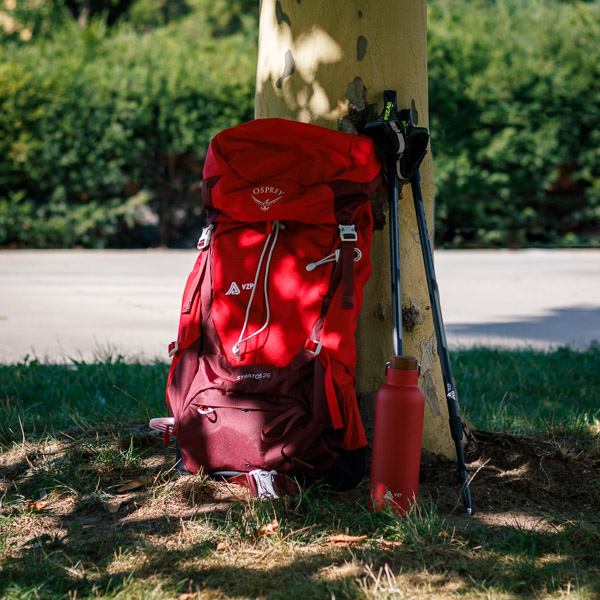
[(262, 380)]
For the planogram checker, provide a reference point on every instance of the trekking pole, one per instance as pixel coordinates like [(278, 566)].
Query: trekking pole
[(394, 132), (400, 402), (395, 258), (456, 425), (390, 145)]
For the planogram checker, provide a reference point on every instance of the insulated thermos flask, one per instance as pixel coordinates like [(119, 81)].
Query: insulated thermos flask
[(397, 434)]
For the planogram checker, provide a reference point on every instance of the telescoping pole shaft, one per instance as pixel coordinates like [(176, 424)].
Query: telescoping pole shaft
[(395, 256), (456, 426)]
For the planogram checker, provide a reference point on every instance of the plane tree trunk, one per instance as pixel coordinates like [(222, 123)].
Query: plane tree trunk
[(328, 63)]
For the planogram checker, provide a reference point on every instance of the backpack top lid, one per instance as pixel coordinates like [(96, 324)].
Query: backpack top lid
[(278, 170)]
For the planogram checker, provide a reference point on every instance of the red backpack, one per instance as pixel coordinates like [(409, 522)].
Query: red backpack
[(261, 387)]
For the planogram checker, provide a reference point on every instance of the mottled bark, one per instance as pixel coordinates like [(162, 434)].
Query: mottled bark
[(328, 63)]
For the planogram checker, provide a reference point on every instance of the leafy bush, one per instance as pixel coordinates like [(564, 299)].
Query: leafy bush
[(103, 134), (24, 20), (103, 130), (515, 122)]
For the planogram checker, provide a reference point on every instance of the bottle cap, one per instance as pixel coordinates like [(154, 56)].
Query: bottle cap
[(404, 363)]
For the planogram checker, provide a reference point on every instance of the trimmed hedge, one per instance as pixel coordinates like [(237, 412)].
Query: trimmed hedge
[(103, 134), (515, 122), (103, 131)]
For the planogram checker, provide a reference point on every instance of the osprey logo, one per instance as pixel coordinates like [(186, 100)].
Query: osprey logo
[(266, 196)]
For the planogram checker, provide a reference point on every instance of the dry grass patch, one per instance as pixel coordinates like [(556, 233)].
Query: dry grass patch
[(106, 516)]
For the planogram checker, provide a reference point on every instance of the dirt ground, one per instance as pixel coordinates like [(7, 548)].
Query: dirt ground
[(517, 481), (90, 531)]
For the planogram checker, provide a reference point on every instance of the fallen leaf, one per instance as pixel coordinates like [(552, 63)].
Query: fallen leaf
[(134, 484), (37, 505), (389, 543), (268, 529), (112, 506), (222, 546), (343, 539)]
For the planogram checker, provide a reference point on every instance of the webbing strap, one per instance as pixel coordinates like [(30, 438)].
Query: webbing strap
[(349, 237), (189, 324), (334, 409), (347, 258), (332, 401)]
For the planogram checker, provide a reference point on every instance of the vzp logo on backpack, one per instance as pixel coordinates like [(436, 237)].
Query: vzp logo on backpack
[(262, 380)]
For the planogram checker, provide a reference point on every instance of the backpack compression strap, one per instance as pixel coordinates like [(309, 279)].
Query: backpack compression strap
[(322, 355), (348, 236), (189, 321)]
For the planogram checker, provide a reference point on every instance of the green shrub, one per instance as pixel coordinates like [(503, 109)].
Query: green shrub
[(24, 20), (103, 134), (515, 116), (103, 129)]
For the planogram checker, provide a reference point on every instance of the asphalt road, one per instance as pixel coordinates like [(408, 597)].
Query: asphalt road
[(86, 305)]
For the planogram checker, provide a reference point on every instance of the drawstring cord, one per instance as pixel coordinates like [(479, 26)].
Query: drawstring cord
[(333, 258), (242, 339)]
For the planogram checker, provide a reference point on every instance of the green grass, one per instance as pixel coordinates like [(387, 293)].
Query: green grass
[(72, 434), (36, 397), (555, 393), (552, 394)]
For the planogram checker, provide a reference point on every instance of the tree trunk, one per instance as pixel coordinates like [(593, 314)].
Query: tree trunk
[(328, 63)]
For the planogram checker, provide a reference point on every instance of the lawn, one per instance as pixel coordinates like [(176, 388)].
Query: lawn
[(92, 508)]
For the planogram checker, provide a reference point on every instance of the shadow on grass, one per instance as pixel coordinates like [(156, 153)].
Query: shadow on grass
[(152, 546), (123, 560), (182, 536)]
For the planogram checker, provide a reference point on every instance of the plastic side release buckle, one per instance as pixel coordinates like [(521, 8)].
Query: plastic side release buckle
[(204, 240), (173, 349), (348, 233), (265, 484), (163, 424), (314, 347)]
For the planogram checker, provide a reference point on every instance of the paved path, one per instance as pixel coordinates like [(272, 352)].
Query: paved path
[(538, 298), (58, 305)]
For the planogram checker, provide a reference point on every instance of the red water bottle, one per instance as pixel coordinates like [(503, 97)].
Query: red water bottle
[(397, 435)]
